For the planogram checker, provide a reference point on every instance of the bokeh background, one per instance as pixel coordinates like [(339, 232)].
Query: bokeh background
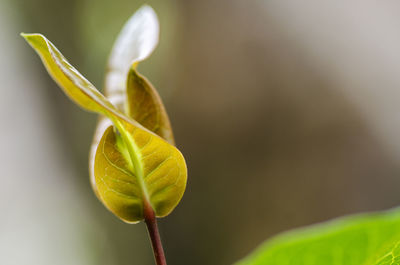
[(288, 114)]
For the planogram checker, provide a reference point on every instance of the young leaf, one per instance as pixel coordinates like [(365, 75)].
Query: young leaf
[(136, 42), (161, 176), (74, 85), (155, 168), (128, 89), (145, 106), (368, 239)]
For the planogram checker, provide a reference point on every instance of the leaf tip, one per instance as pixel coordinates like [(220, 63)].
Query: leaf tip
[(137, 39), (25, 35), (146, 8), (30, 37)]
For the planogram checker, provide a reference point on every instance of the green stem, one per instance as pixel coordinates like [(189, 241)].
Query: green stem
[(152, 228)]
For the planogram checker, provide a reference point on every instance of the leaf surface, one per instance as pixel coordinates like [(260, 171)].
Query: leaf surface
[(367, 239), (125, 87), (145, 106), (74, 85), (156, 169), (118, 183), (136, 42)]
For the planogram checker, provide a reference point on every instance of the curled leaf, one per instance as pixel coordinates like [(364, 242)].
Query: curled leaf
[(145, 106), (132, 92), (136, 41), (155, 169), (74, 85), (125, 87)]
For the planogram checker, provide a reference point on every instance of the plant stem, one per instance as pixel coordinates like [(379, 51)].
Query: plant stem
[(152, 228)]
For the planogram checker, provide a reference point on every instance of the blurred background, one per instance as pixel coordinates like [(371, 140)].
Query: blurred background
[(288, 114)]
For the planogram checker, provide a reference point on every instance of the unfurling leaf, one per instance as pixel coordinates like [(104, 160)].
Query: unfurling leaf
[(125, 87), (74, 85), (131, 164), (136, 42), (145, 106)]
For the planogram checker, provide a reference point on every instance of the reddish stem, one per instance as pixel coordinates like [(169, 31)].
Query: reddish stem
[(152, 228)]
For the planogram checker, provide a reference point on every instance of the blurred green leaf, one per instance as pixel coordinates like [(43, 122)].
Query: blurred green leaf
[(368, 239), (133, 166)]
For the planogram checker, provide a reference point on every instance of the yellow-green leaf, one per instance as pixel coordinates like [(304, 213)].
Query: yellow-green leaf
[(74, 85), (145, 106), (157, 169), (136, 42), (162, 175), (131, 91)]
